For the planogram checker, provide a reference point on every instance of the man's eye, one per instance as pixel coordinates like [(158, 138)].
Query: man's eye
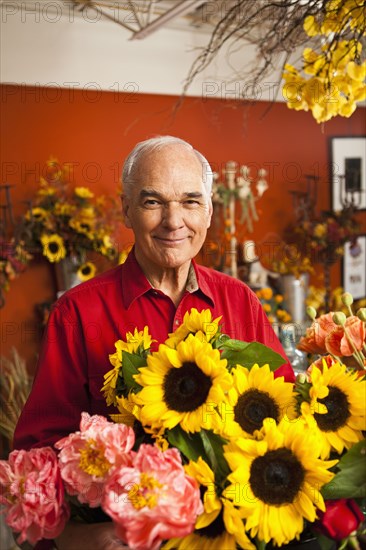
[(191, 203), (151, 203)]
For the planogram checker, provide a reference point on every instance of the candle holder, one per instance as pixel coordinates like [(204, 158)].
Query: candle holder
[(350, 189), (235, 198)]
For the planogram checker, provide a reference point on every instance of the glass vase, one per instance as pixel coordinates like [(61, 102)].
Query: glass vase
[(295, 291)]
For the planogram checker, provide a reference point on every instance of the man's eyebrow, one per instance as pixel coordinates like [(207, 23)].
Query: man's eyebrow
[(153, 193)]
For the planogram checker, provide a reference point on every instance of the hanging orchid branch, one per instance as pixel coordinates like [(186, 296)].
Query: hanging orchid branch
[(335, 28)]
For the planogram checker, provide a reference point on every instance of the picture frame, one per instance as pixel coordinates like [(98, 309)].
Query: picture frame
[(354, 268), (348, 172)]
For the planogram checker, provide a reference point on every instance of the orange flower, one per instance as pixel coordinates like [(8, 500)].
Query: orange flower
[(314, 339), (266, 293), (337, 342)]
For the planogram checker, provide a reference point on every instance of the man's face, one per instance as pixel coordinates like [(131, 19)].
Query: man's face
[(168, 210)]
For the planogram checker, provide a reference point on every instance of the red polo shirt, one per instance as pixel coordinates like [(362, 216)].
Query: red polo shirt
[(86, 322)]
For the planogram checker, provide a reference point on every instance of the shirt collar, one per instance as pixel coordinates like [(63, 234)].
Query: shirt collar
[(137, 284)]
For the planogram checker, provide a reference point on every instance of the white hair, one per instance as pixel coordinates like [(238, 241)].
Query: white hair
[(155, 144)]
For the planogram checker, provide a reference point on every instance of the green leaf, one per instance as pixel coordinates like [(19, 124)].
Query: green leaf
[(213, 446), (130, 366), (324, 542), (350, 480), (190, 445), (250, 353), (260, 544)]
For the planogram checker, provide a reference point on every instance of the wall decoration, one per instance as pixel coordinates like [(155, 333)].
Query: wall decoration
[(348, 172)]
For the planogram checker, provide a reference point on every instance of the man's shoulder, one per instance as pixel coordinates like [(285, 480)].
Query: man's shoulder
[(212, 276), (94, 287)]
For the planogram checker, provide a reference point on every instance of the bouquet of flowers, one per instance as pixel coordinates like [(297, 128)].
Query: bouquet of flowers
[(321, 239), (64, 221), (209, 449), (288, 259)]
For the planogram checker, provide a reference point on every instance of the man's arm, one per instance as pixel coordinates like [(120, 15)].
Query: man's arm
[(59, 393)]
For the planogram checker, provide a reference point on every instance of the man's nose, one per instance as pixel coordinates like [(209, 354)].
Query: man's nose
[(173, 215)]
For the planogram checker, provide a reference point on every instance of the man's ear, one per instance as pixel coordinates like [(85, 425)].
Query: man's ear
[(125, 209), (210, 212)]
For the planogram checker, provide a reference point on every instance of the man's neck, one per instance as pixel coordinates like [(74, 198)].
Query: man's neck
[(171, 281)]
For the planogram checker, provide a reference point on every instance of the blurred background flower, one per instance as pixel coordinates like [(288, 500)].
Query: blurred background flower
[(13, 261), (69, 222), (273, 305)]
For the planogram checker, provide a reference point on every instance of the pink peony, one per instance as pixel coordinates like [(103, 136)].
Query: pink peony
[(89, 456), (33, 494), (153, 499)]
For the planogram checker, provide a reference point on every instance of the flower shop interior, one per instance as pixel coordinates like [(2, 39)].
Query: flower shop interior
[(282, 126)]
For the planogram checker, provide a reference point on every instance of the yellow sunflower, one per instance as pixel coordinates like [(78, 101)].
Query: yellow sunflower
[(129, 412), (275, 481), (86, 271), (194, 322), (106, 246), (83, 193), (36, 214), (83, 226), (213, 537), (63, 209), (255, 395), (46, 190), (183, 386), (136, 341), (53, 247), (337, 407), (87, 212), (220, 523)]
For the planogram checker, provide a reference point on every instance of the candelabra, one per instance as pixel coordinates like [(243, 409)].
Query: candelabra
[(238, 200), (350, 192)]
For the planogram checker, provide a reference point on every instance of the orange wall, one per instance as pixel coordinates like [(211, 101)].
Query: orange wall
[(96, 131)]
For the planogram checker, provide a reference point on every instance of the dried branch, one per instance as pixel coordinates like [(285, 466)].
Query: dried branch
[(275, 29), (15, 384)]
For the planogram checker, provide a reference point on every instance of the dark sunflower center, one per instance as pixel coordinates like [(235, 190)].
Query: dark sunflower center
[(186, 388), (53, 247), (276, 477), (338, 410), (252, 408), (86, 270), (85, 226), (215, 529)]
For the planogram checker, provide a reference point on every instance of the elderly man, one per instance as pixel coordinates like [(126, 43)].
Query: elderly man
[(167, 204)]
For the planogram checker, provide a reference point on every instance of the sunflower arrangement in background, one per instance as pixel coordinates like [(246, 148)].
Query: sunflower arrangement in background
[(334, 80), (69, 222), (265, 453)]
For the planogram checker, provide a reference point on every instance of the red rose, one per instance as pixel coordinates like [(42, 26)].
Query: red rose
[(341, 518)]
